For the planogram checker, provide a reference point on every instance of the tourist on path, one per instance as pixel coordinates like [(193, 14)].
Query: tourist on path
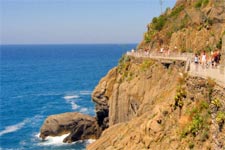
[(203, 60)]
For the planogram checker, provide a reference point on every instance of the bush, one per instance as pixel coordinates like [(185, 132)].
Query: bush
[(205, 2), (146, 64), (199, 124), (219, 44), (216, 103), (191, 145), (158, 23), (201, 3), (180, 95), (220, 117), (175, 12), (123, 63), (198, 4)]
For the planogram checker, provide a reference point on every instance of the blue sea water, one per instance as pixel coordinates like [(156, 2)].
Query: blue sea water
[(41, 80)]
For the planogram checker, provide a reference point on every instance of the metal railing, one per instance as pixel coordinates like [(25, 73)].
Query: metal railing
[(159, 55), (216, 73)]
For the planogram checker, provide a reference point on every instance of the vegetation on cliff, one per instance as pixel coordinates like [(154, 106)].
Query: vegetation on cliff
[(161, 108), (191, 26)]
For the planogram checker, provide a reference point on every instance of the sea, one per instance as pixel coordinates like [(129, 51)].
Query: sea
[(42, 80)]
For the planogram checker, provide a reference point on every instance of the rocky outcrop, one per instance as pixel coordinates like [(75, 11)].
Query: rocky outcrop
[(101, 96), (79, 126), (185, 118), (191, 26), (133, 87)]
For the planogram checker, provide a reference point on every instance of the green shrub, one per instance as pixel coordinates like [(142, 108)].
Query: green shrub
[(147, 37), (205, 2), (203, 105), (175, 12), (220, 117), (216, 102), (201, 3), (158, 23), (180, 95), (146, 64), (191, 145), (198, 4), (169, 34), (124, 59), (219, 44), (124, 64), (199, 124), (184, 22)]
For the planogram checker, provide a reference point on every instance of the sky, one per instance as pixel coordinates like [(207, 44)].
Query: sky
[(76, 21)]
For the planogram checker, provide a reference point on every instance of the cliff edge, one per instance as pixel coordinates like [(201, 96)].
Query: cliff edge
[(155, 106)]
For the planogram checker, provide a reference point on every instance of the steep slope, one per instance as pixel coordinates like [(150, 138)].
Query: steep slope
[(155, 106), (191, 26), (132, 88)]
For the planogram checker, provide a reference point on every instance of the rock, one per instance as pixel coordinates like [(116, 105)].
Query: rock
[(79, 126), (101, 95)]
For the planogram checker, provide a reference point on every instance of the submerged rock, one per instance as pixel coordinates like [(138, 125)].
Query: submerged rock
[(79, 126)]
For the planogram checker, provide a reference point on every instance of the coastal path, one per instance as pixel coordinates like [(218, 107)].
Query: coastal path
[(217, 73)]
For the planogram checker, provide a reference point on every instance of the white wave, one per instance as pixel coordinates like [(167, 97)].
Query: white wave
[(58, 140), (68, 97), (90, 141), (84, 110), (50, 140), (14, 128), (85, 92), (74, 105)]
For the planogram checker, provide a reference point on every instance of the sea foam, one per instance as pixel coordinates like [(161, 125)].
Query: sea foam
[(55, 141), (13, 128), (84, 110), (74, 105), (58, 140), (68, 97)]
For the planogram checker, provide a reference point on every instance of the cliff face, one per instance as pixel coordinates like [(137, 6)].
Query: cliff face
[(153, 105), (192, 26), (132, 88)]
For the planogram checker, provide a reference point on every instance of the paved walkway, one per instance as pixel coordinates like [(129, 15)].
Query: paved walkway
[(218, 74)]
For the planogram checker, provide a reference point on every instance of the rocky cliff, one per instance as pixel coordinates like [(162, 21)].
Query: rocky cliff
[(191, 26), (153, 105)]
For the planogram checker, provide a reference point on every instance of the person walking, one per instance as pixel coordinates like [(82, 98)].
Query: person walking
[(203, 60), (196, 61)]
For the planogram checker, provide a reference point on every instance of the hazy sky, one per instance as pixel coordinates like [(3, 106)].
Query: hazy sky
[(76, 21)]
